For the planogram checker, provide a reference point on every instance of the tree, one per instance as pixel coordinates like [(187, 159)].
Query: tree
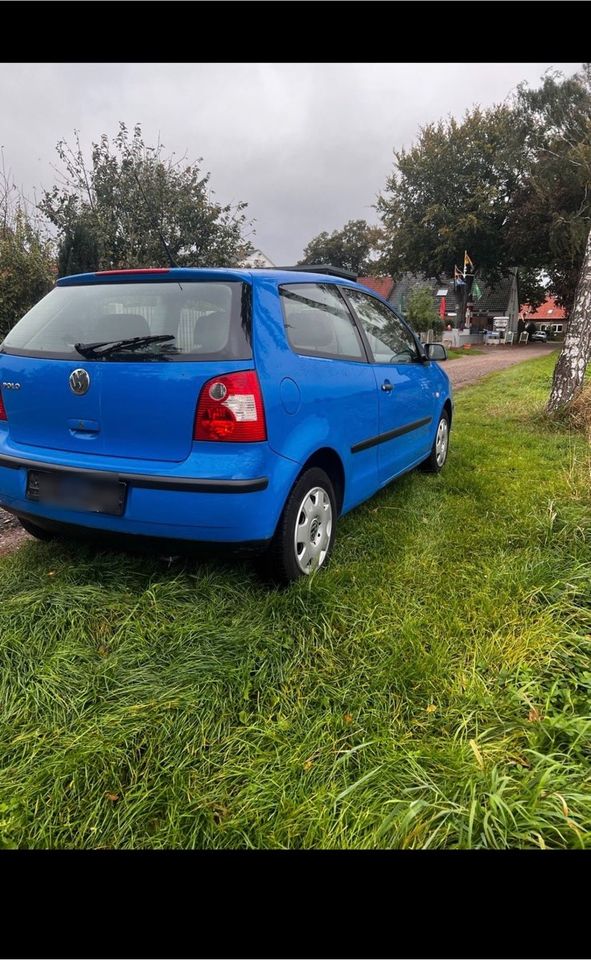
[(27, 265), (556, 197), (421, 313), (448, 193), (79, 249), (512, 185), (109, 213), (550, 208), (569, 372), (353, 248)]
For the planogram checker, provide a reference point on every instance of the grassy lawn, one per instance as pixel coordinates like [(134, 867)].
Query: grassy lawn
[(454, 352), (430, 689)]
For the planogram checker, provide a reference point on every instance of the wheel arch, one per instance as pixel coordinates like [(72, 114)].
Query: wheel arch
[(327, 459), (448, 407)]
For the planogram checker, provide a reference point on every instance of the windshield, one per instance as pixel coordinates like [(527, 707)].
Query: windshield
[(189, 321)]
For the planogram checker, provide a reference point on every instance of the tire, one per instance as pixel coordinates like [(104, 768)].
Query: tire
[(38, 532), (289, 559), (437, 458)]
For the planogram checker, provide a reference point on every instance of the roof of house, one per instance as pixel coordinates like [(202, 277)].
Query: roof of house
[(381, 285), (495, 299), (549, 310), (411, 282), (257, 259)]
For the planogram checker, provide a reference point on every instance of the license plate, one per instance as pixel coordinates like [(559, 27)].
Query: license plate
[(76, 492)]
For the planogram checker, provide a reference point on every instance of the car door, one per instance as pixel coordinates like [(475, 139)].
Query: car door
[(318, 384), (405, 394)]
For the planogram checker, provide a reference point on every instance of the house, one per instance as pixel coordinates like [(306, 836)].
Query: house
[(548, 316), (255, 260), (382, 285), (496, 309)]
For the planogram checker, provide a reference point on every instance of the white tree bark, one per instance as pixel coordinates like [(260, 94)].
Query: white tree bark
[(569, 372)]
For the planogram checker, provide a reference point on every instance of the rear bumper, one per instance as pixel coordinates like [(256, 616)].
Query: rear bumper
[(223, 509), (149, 481)]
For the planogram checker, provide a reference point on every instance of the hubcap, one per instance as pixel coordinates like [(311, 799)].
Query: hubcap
[(313, 529), (441, 442)]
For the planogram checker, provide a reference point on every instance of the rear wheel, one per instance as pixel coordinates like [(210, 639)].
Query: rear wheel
[(306, 530), (436, 459), (38, 532)]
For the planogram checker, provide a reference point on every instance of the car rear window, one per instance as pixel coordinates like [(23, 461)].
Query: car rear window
[(208, 320)]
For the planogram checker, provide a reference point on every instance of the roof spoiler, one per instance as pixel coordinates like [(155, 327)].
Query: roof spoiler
[(325, 268)]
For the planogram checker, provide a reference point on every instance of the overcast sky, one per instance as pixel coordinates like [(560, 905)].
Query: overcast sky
[(308, 146)]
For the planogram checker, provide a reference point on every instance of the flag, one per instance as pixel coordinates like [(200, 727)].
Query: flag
[(442, 308), (458, 277), (476, 291), (467, 261)]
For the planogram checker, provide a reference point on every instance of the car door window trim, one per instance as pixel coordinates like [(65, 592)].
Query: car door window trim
[(365, 356), (420, 358)]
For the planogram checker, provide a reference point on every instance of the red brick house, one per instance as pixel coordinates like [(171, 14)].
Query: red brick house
[(381, 285), (548, 316)]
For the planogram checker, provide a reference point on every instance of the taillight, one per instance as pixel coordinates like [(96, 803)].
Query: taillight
[(231, 408), (3, 414)]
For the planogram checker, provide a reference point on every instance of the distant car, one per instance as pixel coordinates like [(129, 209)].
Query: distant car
[(245, 407), (540, 335)]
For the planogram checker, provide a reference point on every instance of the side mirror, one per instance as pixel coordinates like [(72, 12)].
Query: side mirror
[(435, 351)]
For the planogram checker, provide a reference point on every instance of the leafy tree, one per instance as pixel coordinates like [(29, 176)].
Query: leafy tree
[(109, 213), (79, 249), (512, 185), (551, 213), (550, 208), (353, 248), (421, 312), (27, 265), (448, 194)]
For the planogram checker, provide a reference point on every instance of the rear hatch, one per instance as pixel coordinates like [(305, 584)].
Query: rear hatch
[(134, 400)]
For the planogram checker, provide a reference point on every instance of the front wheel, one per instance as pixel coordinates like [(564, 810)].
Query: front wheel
[(436, 459), (306, 530)]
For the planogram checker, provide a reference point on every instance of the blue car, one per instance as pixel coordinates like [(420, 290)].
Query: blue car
[(242, 407)]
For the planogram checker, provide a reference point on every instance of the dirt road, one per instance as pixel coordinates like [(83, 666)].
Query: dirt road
[(11, 533), (466, 370)]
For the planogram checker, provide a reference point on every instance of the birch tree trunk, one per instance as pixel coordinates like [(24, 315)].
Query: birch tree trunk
[(570, 369)]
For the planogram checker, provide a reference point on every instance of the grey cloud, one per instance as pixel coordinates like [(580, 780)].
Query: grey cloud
[(308, 146)]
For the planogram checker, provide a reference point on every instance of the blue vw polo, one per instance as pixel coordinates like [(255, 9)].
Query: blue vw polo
[(246, 407)]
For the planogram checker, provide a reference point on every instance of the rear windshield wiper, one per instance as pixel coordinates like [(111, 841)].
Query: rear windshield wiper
[(103, 348)]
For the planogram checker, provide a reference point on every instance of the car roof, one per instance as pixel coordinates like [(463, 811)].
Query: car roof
[(168, 274)]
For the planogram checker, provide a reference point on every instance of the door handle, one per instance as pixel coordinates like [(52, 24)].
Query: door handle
[(387, 386)]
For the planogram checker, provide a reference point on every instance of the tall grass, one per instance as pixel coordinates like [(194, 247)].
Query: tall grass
[(430, 689)]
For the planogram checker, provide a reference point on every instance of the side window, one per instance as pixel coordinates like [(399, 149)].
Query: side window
[(318, 322), (389, 339)]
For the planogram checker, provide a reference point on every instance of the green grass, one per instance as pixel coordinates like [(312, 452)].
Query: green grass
[(430, 689), (454, 352)]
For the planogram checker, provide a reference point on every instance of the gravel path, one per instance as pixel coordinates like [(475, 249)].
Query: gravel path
[(465, 370), (462, 371), (11, 533)]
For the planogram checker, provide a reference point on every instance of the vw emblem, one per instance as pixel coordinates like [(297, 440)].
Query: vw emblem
[(79, 381)]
